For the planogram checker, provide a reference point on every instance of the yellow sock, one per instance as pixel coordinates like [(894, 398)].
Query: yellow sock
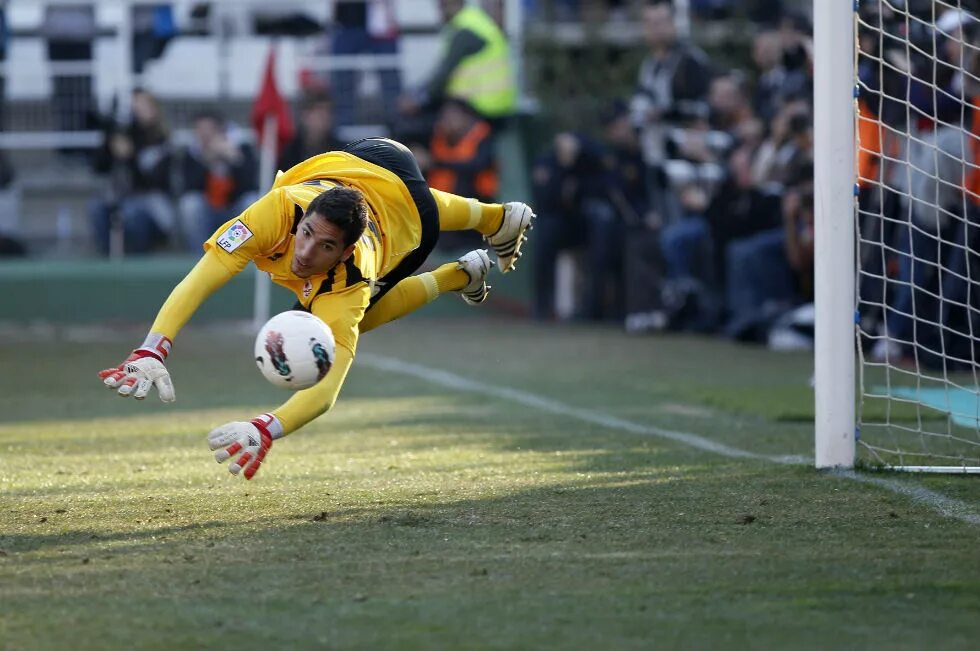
[(414, 292), (459, 213)]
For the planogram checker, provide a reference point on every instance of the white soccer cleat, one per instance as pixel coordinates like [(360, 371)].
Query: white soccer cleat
[(507, 241), (477, 265)]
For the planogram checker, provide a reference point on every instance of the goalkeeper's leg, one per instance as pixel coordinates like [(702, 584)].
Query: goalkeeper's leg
[(466, 275), (505, 226)]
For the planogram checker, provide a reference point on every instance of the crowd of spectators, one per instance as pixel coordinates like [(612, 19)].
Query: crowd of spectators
[(690, 207), (693, 209), (171, 191), (919, 183)]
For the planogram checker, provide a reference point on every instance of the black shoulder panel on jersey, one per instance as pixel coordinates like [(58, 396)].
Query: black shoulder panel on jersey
[(327, 284), (354, 274), (297, 216)]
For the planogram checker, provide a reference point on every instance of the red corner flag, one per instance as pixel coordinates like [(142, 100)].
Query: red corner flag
[(270, 102)]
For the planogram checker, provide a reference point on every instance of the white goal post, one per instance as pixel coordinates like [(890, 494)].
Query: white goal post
[(897, 235), (833, 137)]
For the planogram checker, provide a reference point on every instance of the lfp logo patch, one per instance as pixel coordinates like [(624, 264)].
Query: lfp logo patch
[(234, 236)]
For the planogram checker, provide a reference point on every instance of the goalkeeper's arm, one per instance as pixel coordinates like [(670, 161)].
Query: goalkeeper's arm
[(207, 276), (343, 312), (145, 366), (247, 443)]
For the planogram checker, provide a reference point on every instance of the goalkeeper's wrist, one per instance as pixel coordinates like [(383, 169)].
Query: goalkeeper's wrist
[(270, 425), (155, 345)]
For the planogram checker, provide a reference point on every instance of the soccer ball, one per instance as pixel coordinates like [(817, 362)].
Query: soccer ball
[(294, 350)]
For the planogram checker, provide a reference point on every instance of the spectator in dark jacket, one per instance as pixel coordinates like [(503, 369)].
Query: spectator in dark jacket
[(315, 134), (672, 88), (137, 156), (219, 178), (564, 179), (461, 159)]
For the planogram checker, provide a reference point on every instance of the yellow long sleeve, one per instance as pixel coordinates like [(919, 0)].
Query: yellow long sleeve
[(207, 276), (342, 311), (307, 404)]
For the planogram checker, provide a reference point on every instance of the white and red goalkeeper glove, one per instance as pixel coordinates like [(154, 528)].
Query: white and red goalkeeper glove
[(141, 370), (252, 440)]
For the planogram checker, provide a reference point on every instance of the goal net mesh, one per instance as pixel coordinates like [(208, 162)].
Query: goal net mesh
[(918, 233)]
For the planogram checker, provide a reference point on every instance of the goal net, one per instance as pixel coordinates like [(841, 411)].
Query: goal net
[(917, 128)]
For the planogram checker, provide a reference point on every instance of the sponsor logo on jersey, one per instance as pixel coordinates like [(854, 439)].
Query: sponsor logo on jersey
[(234, 236), (307, 288)]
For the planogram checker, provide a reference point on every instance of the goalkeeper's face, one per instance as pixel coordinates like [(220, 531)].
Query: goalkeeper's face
[(319, 247)]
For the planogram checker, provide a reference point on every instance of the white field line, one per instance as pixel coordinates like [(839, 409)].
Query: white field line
[(946, 506)]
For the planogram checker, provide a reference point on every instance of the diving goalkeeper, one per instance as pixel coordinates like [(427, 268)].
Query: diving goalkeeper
[(344, 231)]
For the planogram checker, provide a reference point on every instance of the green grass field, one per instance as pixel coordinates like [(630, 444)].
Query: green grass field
[(430, 512)]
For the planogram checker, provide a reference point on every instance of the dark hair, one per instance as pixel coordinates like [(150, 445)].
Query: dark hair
[(613, 111), (314, 99), (210, 114), (798, 123), (343, 207)]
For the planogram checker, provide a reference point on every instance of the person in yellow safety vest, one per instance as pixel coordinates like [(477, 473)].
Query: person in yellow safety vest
[(475, 66)]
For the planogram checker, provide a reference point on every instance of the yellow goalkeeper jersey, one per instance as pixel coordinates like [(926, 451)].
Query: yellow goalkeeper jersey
[(266, 232)]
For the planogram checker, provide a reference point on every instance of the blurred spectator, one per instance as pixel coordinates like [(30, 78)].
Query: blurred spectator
[(766, 271), (917, 259), (137, 157), (316, 133), (695, 170), (153, 28), (783, 66), (798, 225), (672, 89), (631, 217), (786, 149), (364, 27), (740, 208), (686, 243), (729, 103), (776, 84), (461, 155), (587, 195), (70, 31), (624, 158), (796, 44), (475, 66), (564, 179), (218, 177), (460, 159)]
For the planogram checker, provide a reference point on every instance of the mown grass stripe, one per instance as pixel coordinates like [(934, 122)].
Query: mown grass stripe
[(946, 506)]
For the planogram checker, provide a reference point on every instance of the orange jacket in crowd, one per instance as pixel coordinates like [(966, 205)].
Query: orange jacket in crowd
[(466, 167)]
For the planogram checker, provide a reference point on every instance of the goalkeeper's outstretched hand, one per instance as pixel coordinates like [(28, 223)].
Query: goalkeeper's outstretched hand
[(251, 441), (140, 371)]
